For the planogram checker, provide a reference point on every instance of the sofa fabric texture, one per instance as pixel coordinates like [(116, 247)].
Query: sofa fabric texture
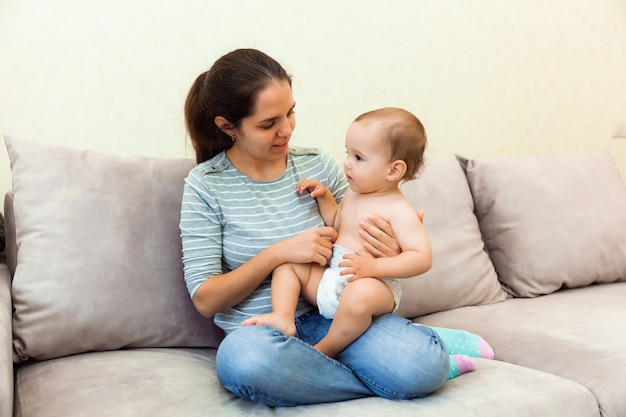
[(2, 241), (569, 208), (88, 227), (187, 377), (529, 253), (578, 334), (6, 348), (462, 273)]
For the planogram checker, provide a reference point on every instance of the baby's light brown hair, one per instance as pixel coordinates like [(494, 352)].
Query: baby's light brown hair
[(404, 134)]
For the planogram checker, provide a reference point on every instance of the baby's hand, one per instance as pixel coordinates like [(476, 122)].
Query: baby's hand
[(360, 266), (313, 186)]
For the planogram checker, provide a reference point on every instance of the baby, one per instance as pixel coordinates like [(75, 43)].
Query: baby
[(384, 147)]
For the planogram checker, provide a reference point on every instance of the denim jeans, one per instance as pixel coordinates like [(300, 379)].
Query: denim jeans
[(392, 359)]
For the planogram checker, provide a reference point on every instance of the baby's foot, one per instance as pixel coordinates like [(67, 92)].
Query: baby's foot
[(283, 323)]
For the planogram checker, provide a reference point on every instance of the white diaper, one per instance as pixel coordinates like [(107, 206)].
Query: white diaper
[(332, 284)]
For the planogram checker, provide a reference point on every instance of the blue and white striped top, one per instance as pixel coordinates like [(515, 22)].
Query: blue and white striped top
[(227, 218)]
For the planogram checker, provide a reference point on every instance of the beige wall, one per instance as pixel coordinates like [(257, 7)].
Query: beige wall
[(487, 77)]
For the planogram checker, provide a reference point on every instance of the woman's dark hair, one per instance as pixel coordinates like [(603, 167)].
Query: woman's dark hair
[(228, 89)]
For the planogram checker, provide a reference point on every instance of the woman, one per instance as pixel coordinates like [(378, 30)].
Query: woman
[(241, 218)]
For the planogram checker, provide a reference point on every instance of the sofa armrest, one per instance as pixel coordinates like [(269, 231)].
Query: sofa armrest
[(6, 343), (10, 244)]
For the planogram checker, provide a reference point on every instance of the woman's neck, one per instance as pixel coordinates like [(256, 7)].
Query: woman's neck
[(255, 168)]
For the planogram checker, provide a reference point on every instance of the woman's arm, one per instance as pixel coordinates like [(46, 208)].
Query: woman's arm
[(204, 215), (222, 291)]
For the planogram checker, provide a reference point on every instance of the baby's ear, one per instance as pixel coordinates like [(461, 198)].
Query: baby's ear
[(397, 169)]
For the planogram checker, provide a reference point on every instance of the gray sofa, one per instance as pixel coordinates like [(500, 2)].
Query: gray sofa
[(95, 320)]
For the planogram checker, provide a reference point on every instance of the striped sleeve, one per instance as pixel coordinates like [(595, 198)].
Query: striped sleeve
[(228, 218)]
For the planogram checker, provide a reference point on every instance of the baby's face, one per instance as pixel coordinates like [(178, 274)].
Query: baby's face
[(367, 161)]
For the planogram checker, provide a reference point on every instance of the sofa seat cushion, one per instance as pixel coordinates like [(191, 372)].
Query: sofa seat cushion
[(578, 334), (181, 382)]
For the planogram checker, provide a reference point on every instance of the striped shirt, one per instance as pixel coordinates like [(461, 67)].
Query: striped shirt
[(227, 218)]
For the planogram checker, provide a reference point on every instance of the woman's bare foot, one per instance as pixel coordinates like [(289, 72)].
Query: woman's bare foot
[(283, 323)]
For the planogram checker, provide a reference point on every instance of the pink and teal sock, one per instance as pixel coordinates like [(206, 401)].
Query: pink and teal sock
[(461, 342), (463, 346), (460, 364)]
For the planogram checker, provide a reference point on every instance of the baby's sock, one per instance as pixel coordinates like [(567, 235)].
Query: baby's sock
[(461, 342), (460, 364)]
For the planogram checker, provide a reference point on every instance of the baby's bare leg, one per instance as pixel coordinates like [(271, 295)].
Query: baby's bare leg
[(361, 300), (287, 282), (311, 285)]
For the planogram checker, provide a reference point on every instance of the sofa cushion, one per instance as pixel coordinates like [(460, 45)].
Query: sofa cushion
[(98, 253), (1, 233), (6, 353), (182, 382), (577, 334), (462, 273), (10, 248), (551, 221)]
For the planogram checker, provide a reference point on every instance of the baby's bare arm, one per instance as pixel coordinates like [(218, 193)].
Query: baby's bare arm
[(326, 202), (414, 259)]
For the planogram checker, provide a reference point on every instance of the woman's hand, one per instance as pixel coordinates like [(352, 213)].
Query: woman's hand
[(226, 290), (378, 237), (314, 245)]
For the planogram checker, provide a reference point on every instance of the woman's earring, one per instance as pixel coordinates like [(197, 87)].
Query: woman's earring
[(233, 137)]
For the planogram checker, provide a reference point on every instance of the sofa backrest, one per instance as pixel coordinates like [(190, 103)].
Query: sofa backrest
[(94, 248), (462, 273), (552, 221), (98, 263), (10, 250)]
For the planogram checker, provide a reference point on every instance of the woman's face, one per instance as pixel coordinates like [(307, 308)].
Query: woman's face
[(265, 134)]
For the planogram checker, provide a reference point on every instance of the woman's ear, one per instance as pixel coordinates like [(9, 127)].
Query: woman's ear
[(224, 125), (397, 169)]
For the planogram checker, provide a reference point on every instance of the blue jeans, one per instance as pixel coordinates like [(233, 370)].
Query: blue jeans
[(392, 359)]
